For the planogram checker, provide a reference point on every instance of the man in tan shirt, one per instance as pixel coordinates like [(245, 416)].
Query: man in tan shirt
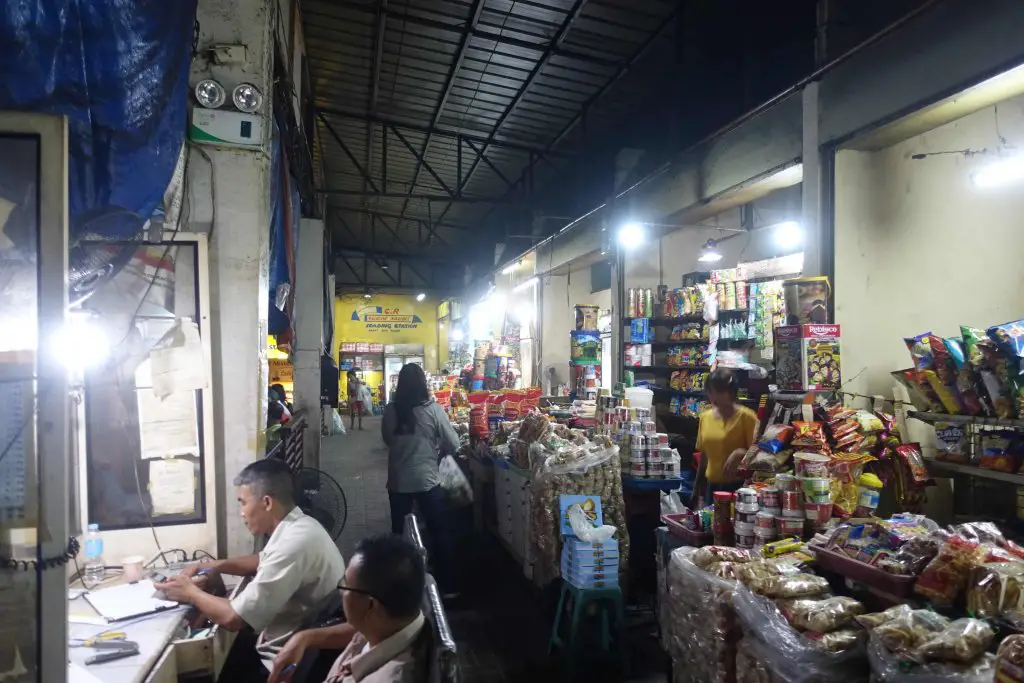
[(386, 637)]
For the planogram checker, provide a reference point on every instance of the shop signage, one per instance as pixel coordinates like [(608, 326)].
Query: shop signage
[(386, 319)]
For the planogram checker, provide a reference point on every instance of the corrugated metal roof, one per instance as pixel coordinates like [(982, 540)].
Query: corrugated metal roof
[(511, 77)]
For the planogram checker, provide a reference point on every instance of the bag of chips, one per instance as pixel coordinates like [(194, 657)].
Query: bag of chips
[(965, 378), (951, 442), (809, 434), (946, 575), (775, 438), (924, 362), (999, 451)]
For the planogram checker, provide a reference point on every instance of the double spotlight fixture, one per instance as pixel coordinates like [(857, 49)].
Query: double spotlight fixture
[(246, 97)]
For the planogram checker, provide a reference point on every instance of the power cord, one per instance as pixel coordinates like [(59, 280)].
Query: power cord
[(70, 554)]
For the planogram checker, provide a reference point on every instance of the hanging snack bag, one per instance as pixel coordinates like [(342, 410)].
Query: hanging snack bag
[(924, 361), (532, 399), (988, 368), (478, 413), (1009, 337), (945, 371), (965, 379), (741, 295)]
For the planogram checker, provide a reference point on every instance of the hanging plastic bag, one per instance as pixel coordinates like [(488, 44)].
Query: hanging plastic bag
[(176, 364), (454, 484), (333, 424), (584, 529), (670, 504), (366, 398)]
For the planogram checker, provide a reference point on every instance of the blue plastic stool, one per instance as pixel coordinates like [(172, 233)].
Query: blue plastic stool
[(611, 606)]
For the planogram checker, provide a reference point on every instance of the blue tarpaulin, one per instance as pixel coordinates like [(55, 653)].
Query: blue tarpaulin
[(119, 70), (284, 234)]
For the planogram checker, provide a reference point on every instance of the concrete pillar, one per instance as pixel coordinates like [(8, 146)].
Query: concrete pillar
[(309, 332), (815, 240), (229, 196)]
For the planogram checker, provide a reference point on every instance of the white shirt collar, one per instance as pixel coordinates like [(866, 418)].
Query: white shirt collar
[(362, 665)]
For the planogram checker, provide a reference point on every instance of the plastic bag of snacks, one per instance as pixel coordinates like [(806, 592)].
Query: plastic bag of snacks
[(820, 615), (995, 590), (703, 630), (946, 575), (513, 401), (962, 642), (797, 586), (889, 668), (531, 402), (775, 438), (478, 413), (1010, 660), (786, 653)]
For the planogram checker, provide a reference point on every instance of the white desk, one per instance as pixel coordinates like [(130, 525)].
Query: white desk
[(163, 651)]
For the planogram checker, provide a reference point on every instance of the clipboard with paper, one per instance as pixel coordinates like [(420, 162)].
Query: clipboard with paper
[(126, 601)]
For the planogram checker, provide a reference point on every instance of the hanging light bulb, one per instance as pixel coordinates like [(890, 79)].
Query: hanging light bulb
[(709, 252)]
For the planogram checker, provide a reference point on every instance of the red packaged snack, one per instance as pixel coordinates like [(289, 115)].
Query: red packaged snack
[(478, 413), (514, 405), (910, 454), (946, 575), (810, 434)]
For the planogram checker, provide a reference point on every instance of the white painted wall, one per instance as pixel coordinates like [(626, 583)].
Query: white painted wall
[(919, 248), (560, 294), (666, 260)]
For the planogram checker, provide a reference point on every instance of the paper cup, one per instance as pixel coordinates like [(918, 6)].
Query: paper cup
[(132, 566)]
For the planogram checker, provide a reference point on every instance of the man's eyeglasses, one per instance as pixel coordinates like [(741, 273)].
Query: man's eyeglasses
[(343, 587)]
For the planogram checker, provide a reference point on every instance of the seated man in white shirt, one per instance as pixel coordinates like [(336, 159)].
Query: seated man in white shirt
[(294, 573), (386, 637)]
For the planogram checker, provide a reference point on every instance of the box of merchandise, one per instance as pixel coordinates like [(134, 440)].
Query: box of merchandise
[(574, 547), (589, 574), (583, 561), (592, 580), (807, 357)]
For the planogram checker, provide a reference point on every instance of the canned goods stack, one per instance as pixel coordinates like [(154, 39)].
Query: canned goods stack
[(644, 453), (747, 509)]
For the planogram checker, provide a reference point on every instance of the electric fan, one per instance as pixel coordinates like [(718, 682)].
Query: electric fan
[(320, 496)]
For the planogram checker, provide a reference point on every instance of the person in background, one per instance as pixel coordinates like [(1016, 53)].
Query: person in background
[(355, 399), (278, 392), (384, 640), (416, 430), (295, 573), (725, 432)]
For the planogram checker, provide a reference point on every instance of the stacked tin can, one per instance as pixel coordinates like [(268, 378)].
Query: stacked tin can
[(747, 507)]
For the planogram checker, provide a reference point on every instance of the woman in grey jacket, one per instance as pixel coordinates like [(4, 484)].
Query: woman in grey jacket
[(418, 433)]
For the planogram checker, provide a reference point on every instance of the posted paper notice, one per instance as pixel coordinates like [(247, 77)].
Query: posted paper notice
[(172, 487)]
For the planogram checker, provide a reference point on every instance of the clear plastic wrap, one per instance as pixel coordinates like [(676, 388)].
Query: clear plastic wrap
[(820, 616), (604, 481), (788, 654), (557, 456), (585, 530), (708, 555), (751, 664), (793, 586), (702, 630), (887, 667), (454, 484), (961, 642)]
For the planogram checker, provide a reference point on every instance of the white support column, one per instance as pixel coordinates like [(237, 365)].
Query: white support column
[(815, 242), (309, 332), (231, 193)]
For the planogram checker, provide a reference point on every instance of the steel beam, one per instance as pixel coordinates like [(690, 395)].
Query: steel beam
[(582, 115), (482, 33), (490, 164), (433, 130), (348, 153), (384, 214), (421, 161), (475, 11), (563, 30), (394, 256), (447, 199)]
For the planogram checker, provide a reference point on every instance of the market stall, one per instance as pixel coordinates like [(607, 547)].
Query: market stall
[(803, 574)]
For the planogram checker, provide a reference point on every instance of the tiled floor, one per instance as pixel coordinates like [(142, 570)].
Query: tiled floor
[(501, 623)]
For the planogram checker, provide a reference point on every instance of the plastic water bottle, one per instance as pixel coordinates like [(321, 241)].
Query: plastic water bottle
[(94, 571)]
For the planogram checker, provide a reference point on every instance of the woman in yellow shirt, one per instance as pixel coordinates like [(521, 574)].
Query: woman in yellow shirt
[(724, 434)]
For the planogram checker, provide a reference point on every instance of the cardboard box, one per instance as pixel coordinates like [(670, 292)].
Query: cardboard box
[(807, 357)]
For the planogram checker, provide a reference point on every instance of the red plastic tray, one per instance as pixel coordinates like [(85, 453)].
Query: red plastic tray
[(892, 584), (697, 539)]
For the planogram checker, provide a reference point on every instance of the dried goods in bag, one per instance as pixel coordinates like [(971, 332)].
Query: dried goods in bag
[(820, 616)]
